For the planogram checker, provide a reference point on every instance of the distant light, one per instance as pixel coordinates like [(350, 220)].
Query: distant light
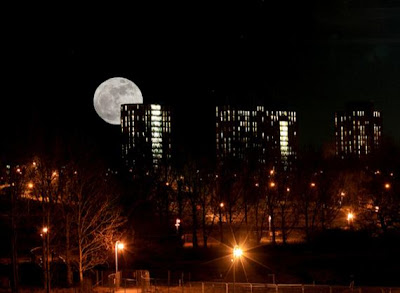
[(288, 189), (221, 204), (350, 216), (45, 229), (272, 184), (387, 185), (177, 224), (30, 185), (312, 184), (271, 172), (120, 246)]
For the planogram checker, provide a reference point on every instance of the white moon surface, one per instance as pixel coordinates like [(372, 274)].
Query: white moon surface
[(111, 94)]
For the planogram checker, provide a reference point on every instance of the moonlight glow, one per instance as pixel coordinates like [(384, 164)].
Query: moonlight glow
[(111, 94)]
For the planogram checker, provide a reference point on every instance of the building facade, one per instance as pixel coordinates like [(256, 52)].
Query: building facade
[(256, 134), (146, 136), (358, 131)]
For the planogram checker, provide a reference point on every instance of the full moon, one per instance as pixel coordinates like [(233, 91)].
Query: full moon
[(111, 94)]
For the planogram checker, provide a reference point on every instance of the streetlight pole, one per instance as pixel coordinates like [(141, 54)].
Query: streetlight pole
[(46, 257), (350, 217), (221, 205), (116, 258), (234, 275), (177, 224), (118, 245), (237, 253)]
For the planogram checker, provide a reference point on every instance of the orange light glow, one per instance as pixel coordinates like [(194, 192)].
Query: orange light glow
[(350, 216), (237, 252)]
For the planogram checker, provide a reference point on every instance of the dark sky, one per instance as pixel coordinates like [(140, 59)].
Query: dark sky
[(307, 56)]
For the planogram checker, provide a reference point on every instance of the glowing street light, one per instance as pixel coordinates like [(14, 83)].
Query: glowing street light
[(46, 257), (387, 185), (118, 245), (237, 253), (177, 224), (350, 218), (269, 225)]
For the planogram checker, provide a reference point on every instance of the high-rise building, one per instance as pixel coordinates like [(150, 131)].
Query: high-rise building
[(358, 130), (146, 136), (257, 134)]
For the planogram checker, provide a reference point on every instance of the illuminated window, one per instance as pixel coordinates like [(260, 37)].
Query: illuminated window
[(284, 138)]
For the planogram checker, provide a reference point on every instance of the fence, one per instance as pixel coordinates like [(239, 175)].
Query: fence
[(160, 286)]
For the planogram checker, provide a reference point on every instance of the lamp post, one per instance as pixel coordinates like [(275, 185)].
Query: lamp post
[(350, 217), (221, 205), (46, 257), (118, 245), (177, 224), (237, 253)]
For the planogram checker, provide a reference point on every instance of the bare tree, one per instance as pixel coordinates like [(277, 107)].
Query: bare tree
[(97, 219), (43, 174), (287, 210), (79, 198), (260, 212), (209, 205), (13, 186)]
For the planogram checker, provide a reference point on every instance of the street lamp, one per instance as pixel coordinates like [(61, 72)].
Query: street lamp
[(221, 206), (350, 217), (237, 253), (269, 225), (118, 245), (46, 257), (177, 224)]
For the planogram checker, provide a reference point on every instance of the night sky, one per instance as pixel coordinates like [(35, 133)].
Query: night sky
[(300, 55)]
